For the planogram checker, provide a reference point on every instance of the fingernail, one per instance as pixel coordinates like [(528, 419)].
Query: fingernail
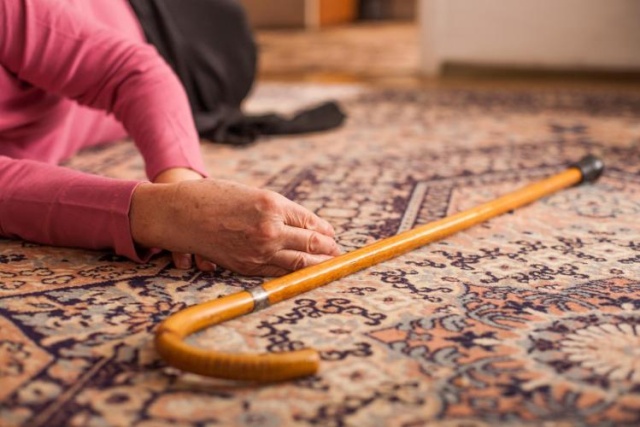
[(209, 266), (183, 262)]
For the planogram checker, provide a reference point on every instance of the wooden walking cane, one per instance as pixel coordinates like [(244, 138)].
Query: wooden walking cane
[(283, 366)]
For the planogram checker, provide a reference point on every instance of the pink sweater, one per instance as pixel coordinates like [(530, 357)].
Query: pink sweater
[(75, 73)]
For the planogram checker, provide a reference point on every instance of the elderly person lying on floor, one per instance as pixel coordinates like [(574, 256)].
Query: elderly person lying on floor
[(76, 73)]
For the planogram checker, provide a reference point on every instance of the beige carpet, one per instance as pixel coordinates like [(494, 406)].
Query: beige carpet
[(529, 319)]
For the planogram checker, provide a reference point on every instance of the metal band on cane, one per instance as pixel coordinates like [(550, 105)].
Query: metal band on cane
[(170, 336), (260, 298)]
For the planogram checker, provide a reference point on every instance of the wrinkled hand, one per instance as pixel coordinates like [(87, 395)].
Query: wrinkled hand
[(247, 230)]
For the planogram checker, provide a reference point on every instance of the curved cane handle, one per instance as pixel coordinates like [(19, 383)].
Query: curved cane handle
[(282, 366), (256, 367)]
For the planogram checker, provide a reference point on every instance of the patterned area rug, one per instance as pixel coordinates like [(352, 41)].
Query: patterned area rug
[(529, 319)]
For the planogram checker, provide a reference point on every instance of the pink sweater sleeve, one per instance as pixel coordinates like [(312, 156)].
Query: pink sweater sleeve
[(60, 206), (54, 47)]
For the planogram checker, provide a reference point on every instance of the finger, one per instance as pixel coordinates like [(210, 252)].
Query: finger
[(312, 242), (298, 216), (204, 265), (181, 261), (295, 260)]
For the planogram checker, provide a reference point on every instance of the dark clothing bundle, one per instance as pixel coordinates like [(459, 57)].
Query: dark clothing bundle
[(210, 46)]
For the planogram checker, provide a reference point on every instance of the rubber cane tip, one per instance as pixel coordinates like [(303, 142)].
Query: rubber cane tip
[(591, 167)]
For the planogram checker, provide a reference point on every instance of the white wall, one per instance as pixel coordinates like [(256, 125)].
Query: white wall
[(551, 34)]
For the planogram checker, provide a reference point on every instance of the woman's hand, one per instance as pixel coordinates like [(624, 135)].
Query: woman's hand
[(244, 229)]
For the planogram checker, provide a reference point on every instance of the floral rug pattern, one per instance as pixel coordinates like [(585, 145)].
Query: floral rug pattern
[(531, 318)]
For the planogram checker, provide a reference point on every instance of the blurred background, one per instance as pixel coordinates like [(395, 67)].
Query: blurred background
[(445, 42)]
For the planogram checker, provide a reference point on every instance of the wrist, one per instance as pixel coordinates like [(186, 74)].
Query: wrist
[(146, 214)]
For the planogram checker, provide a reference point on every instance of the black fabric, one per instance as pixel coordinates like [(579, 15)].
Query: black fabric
[(245, 129), (211, 48)]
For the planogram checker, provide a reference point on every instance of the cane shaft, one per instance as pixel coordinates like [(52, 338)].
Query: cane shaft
[(312, 277), (280, 366)]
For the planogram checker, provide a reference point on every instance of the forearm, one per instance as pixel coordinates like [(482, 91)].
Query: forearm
[(56, 47), (63, 207)]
